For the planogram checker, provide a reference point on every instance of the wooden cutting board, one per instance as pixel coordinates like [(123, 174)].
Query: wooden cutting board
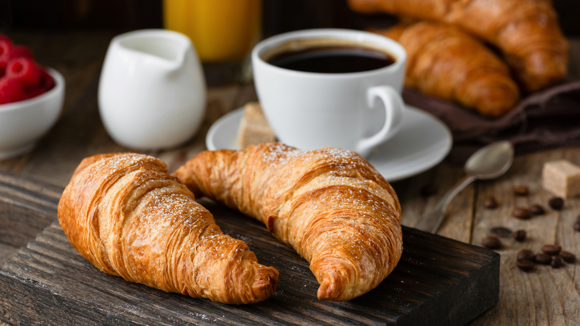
[(438, 281)]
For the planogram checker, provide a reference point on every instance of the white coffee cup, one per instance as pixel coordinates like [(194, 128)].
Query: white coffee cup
[(152, 92), (313, 110)]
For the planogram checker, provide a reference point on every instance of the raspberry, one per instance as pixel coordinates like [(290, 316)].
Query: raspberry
[(25, 71), (35, 92), (47, 82), (20, 51), (5, 38), (10, 91), (5, 47)]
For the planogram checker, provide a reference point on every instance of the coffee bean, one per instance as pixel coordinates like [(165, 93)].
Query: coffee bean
[(568, 256), (520, 235), (525, 265), (491, 242), (428, 190), (502, 232), (577, 226), (551, 250), (542, 258), (556, 262), (521, 191), (556, 203), (537, 210), (521, 213), (526, 254), (490, 202)]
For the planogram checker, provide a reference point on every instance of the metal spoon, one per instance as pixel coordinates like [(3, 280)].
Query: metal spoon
[(488, 162)]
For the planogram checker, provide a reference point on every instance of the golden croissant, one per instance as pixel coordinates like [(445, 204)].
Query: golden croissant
[(129, 218), (330, 205), (446, 62), (526, 31)]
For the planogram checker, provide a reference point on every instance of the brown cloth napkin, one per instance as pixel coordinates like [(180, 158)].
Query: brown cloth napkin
[(545, 119)]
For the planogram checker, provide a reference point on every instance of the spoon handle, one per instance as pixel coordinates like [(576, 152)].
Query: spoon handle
[(432, 221)]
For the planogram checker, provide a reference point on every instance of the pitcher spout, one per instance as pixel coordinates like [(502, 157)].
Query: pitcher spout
[(160, 47)]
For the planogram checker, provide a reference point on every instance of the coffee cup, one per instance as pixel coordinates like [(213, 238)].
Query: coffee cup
[(311, 102)]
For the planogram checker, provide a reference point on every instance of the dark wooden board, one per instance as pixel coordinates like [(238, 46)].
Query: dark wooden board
[(27, 206), (437, 282)]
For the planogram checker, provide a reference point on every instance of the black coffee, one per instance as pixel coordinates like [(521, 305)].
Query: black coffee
[(333, 59)]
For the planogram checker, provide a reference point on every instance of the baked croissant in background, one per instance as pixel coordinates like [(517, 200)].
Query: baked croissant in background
[(330, 205), (129, 218), (446, 62), (526, 31)]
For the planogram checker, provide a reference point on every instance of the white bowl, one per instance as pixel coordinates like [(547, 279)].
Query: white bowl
[(22, 123)]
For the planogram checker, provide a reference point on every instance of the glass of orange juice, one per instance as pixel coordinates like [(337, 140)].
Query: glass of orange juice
[(221, 30)]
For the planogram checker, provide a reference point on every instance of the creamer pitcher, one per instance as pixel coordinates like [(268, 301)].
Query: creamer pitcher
[(151, 93)]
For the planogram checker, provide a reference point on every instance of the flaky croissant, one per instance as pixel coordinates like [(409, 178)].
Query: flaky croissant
[(446, 62), (330, 205), (526, 31), (129, 218)]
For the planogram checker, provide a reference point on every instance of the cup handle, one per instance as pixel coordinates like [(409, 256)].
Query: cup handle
[(394, 108)]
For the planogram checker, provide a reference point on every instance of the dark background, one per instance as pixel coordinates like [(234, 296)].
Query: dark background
[(279, 15)]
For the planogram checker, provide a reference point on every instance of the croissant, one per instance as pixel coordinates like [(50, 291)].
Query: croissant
[(129, 218), (330, 205), (446, 62), (526, 31)]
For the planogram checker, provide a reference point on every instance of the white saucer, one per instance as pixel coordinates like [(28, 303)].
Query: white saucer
[(422, 142)]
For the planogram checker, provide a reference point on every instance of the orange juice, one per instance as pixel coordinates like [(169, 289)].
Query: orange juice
[(221, 30)]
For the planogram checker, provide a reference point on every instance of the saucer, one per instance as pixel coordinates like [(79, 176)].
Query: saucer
[(421, 143)]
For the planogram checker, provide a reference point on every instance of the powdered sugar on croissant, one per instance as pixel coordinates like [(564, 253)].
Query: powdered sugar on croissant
[(330, 205)]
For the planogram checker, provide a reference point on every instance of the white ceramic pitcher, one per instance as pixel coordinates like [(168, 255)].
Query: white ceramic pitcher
[(151, 93)]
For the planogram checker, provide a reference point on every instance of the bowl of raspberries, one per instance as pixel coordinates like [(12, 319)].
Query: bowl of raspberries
[(31, 98)]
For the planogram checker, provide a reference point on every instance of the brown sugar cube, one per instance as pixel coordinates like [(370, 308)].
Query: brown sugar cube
[(254, 128), (562, 178)]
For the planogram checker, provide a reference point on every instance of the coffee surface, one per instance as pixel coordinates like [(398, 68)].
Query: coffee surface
[(335, 59)]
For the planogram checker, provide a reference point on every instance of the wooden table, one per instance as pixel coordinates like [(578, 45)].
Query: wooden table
[(544, 296)]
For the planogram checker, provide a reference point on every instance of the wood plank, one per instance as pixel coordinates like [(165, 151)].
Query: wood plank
[(442, 177), (6, 252), (26, 208), (437, 281), (544, 296)]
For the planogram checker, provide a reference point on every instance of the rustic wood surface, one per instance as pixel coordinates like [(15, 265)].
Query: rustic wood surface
[(542, 297), (438, 281)]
